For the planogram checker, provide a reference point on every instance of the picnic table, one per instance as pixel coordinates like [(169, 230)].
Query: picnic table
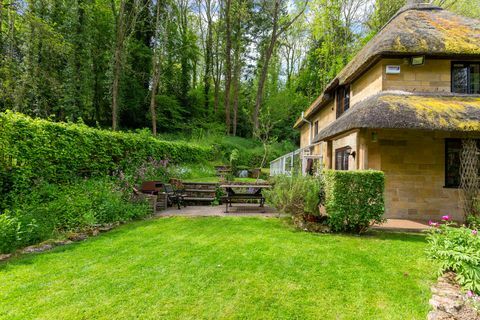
[(236, 192)]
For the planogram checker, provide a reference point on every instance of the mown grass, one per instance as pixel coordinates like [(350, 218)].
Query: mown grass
[(221, 268)]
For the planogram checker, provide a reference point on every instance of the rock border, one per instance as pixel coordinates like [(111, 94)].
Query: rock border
[(70, 237), (448, 302)]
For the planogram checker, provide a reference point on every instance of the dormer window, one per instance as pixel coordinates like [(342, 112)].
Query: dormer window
[(343, 100), (466, 77)]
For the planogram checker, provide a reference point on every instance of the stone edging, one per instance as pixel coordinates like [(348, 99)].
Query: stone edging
[(70, 238), (448, 302)]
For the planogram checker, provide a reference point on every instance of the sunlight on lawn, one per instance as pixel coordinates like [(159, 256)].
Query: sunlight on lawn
[(204, 268)]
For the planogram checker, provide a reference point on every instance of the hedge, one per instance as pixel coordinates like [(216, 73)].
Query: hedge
[(354, 199), (56, 152)]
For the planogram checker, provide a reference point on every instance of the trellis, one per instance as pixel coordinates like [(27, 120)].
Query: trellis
[(470, 182)]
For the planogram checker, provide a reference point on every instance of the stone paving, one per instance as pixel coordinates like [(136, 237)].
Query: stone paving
[(240, 209), (244, 209)]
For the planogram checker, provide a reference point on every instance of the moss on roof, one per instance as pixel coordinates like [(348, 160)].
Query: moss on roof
[(401, 110), (418, 29)]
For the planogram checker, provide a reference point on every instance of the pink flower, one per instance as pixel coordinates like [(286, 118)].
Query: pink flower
[(474, 232), (433, 224), (470, 294), (446, 218)]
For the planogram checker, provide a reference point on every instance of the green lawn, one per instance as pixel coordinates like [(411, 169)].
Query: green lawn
[(221, 268)]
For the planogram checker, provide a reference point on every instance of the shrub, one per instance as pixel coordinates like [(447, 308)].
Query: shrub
[(456, 249), (354, 199), (52, 209), (297, 195)]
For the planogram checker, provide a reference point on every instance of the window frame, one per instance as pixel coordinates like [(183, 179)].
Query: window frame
[(315, 131), (467, 65), (343, 150), (342, 100), (447, 142)]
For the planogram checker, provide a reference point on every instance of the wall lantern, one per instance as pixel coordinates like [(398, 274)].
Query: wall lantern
[(352, 153), (374, 137), (418, 61)]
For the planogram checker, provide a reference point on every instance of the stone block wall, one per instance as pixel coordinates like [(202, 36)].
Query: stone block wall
[(414, 166), (433, 76)]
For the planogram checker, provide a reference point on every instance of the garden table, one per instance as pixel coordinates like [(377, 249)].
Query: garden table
[(236, 192)]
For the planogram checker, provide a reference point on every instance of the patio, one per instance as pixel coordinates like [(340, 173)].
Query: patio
[(253, 210)]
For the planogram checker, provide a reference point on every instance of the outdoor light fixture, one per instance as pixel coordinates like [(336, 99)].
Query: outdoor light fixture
[(418, 61), (353, 154), (374, 137)]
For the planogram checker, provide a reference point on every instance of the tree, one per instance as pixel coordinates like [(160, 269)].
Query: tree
[(125, 18), (228, 63), (278, 26), (156, 65)]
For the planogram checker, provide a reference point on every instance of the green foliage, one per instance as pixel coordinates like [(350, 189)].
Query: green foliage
[(52, 209), (456, 249), (354, 199), (297, 195), (34, 149)]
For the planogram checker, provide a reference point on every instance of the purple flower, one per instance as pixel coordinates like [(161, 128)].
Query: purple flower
[(446, 218), (474, 232), (470, 294)]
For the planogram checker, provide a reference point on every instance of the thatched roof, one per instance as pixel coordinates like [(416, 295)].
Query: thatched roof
[(418, 29), (402, 110)]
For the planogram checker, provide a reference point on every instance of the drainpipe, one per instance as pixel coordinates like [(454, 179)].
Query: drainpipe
[(310, 128)]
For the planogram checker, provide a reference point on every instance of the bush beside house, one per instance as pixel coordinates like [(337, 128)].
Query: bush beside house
[(354, 200), (297, 195)]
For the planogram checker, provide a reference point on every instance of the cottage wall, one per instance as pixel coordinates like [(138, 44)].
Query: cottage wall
[(324, 116), (433, 76), (368, 84), (414, 166), (304, 135)]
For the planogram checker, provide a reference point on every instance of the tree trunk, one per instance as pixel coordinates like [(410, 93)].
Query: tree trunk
[(208, 56), (218, 72), (153, 100), (228, 65), (237, 73), (266, 61), (1, 24), (117, 61), (156, 72)]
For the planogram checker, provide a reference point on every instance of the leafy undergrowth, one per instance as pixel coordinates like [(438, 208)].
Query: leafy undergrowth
[(210, 268)]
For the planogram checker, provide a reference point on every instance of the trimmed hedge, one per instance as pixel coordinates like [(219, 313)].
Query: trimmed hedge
[(354, 199), (57, 152)]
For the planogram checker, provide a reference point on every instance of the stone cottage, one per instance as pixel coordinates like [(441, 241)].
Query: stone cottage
[(404, 105)]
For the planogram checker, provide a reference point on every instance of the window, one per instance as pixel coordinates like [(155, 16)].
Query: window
[(341, 158), (453, 150), (466, 77), (343, 100), (316, 128)]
